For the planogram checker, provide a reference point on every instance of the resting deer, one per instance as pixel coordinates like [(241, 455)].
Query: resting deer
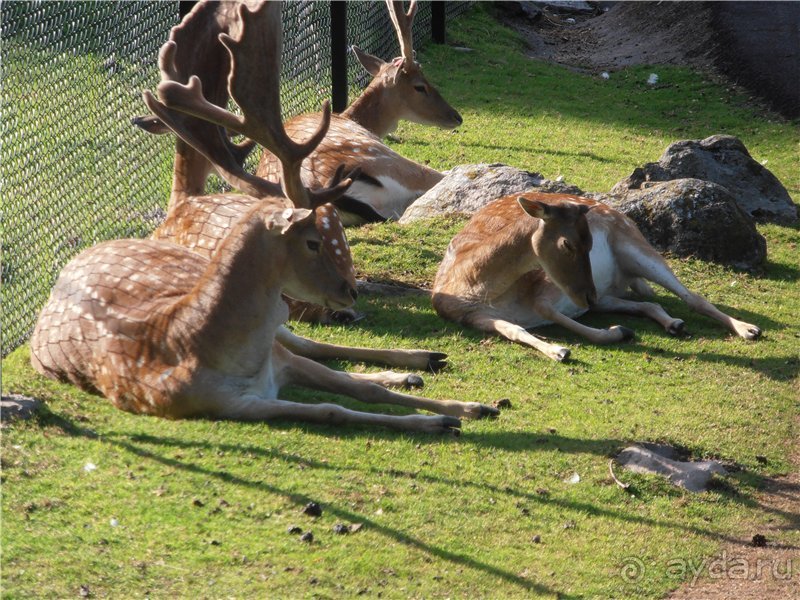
[(201, 222), (160, 330), (529, 260), (388, 183)]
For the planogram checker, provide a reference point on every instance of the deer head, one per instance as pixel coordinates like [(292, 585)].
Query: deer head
[(399, 88), (319, 260), (562, 245)]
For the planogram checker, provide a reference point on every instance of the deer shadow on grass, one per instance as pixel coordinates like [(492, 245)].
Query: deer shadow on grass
[(146, 446), (142, 447)]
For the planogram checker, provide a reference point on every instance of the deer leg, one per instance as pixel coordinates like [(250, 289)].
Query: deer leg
[(256, 408), (302, 371), (652, 266), (612, 335), (518, 334), (650, 310), (642, 288), (407, 359)]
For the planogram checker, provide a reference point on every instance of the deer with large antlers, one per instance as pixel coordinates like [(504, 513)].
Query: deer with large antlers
[(528, 260), (388, 182), (160, 330), (201, 222)]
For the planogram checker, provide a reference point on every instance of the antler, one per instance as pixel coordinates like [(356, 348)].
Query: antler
[(254, 84), (402, 22)]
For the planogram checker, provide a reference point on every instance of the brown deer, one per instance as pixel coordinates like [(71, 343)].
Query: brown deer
[(388, 183), (529, 260), (160, 330), (201, 222)]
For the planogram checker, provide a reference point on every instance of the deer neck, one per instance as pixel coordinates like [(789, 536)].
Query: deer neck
[(374, 110), (229, 319), (189, 173)]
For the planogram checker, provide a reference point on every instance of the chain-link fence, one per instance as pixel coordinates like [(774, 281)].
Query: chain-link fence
[(73, 170)]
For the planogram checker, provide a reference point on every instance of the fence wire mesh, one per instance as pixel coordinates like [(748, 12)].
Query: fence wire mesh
[(73, 170)]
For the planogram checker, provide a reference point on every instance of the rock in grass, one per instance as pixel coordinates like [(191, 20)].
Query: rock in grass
[(341, 529), (724, 160), (307, 537), (294, 530), (692, 476), (312, 509), (466, 189), (690, 217), (17, 406)]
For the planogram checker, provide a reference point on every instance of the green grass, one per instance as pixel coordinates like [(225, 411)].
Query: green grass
[(202, 507)]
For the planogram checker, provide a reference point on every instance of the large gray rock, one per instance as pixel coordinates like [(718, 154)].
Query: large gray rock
[(693, 476), (689, 217), (721, 159), (466, 189)]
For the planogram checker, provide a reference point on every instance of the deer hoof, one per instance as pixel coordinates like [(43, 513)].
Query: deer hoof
[(450, 425), (676, 328), (561, 354), (488, 411), (437, 361), (414, 381), (751, 332), (626, 334)]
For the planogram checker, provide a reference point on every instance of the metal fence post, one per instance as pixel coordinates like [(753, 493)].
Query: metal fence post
[(438, 11), (339, 55)]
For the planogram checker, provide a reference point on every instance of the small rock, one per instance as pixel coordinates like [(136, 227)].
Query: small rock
[(355, 527), (542, 492), (215, 542), (84, 591), (113, 522), (551, 430), (17, 406), (762, 460), (312, 509), (573, 479), (653, 79), (341, 529), (502, 403), (537, 539), (294, 530), (569, 525), (307, 537), (198, 502), (759, 541), (89, 467)]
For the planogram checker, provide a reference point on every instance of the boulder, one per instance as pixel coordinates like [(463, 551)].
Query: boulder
[(465, 189), (689, 217), (724, 160), (18, 407), (656, 459)]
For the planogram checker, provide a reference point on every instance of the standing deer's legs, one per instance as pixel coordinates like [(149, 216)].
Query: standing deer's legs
[(307, 373), (256, 408), (651, 266), (650, 310), (407, 359), (517, 334), (612, 335)]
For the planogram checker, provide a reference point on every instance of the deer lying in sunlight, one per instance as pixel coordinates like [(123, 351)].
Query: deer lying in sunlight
[(533, 259), (161, 330)]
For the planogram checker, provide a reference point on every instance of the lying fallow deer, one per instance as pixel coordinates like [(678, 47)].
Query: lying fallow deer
[(201, 222), (388, 183), (162, 331), (529, 260)]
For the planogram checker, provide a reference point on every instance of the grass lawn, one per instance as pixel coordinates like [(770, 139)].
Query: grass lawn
[(201, 508)]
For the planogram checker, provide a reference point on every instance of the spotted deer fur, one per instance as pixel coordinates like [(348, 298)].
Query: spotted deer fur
[(161, 330), (501, 275)]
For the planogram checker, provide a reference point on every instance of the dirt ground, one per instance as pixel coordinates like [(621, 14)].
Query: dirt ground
[(618, 35), (755, 45)]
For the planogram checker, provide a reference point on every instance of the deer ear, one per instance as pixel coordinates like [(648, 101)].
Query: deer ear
[(536, 209), (283, 220), (371, 63)]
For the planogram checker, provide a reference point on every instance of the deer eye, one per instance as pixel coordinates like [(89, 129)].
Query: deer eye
[(313, 246), (567, 245), (421, 89)]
